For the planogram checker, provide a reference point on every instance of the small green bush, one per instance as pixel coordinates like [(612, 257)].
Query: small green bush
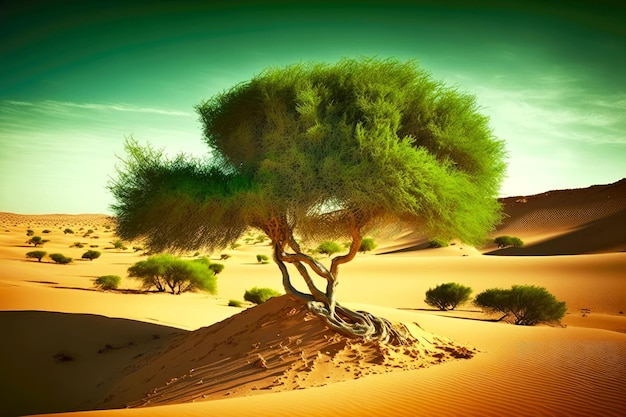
[(260, 295), (60, 258), (329, 247), (506, 241), (30, 232), (234, 303), (179, 275), (367, 244), (216, 268), (68, 231), (448, 296), (224, 256), (78, 245), (528, 304), (37, 254), (438, 243), (108, 282), (262, 259), (91, 255), (46, 231)]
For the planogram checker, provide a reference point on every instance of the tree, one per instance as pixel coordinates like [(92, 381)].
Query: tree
[(367, 244), (324, 152), (37, 241), (37, 254), (91, 255), (447, 296), (529, 304), (167, 271), (328, 247)]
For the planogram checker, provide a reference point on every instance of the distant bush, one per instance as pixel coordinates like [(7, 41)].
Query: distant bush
[(108, 282), (216, 268), (448, 296), (90, 231), (262, 259), (119, 245), (234, 303), (260, 295), (166, 271), (91, 255), (367, 244), (506, 241), (94, 246), (529, 304), (60, 258), (328, 247), (30, 232), (36, 241), (46, 231), (137, 248), (78, 245), (37, 254), (224, 256), (438, 243), (68, 231)]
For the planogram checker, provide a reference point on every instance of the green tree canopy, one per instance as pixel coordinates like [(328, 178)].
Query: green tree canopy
[(324, 151)]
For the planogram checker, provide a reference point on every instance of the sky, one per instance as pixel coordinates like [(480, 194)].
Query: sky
[(77, 78)]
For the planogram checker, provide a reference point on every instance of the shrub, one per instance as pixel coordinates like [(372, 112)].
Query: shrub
[(216, 268), (167, 271), (260, 295), (46, 231), (78, 245), (224, 256), (37, 254), (90, 231), (328, 247), (234, 303), (68, 231), (506, 241), (108, 282), (94, 246), (60, 258), (91, 255), (529, 304), (118, 244), (448, 296), (438, 243), (36, 241), (30, 232), (137, 248), (367, 244), (262, 259)]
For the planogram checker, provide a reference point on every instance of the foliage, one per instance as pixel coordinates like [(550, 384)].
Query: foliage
[(78, 245), (234, 303), (91, 255), (506, 241), (108, 282), (528, 304), (262, 259), (328, 247), (216, 268), (322, 152), (37, 254), (60, 258), (36, 241), (438, 243), (68, 231), (118, 244), (224, 256), (46, 231), (166, 271), (367, 244), (447, 296), (260, 295), (30, 232)]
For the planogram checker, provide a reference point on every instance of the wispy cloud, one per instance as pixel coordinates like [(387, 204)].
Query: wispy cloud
[(53, 106)]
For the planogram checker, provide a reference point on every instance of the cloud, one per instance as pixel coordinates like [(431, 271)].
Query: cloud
[(53, 106)]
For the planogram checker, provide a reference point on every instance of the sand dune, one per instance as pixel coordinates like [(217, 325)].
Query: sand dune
[(67, 347)]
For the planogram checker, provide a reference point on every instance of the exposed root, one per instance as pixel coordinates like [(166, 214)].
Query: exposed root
[(361, 325)]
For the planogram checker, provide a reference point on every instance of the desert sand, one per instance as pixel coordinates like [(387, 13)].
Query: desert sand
[(70, 348)]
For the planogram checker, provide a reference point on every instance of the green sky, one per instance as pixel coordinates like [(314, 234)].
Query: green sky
[(76, 79)]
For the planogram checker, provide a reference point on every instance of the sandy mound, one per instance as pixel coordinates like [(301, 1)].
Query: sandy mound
[(277, 346), (567, 222)]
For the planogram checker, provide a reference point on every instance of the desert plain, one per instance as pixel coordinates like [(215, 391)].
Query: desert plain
[(72, 349)]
